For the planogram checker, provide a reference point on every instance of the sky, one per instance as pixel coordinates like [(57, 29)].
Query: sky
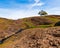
[(15, 9)]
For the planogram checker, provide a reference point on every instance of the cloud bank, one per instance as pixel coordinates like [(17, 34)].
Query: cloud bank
[(14, 9), (37, 3)]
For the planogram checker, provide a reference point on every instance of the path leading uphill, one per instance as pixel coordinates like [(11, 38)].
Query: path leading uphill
[(36, 38)]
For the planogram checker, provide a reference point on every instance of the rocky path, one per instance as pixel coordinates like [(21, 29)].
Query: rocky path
[(37, 38)]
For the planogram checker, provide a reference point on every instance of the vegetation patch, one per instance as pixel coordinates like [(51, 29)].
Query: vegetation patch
[(57, 24)]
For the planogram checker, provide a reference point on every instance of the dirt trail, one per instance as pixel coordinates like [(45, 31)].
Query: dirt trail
[(37, 38)]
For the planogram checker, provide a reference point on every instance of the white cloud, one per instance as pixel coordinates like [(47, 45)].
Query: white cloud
[(37, 3), (54, 11), (16, 14)]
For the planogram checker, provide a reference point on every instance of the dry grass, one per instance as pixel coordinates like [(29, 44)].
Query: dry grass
[(9, 27)]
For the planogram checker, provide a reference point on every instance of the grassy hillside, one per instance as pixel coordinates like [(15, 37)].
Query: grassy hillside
[(10, 29), (41, 21), (48, 37)]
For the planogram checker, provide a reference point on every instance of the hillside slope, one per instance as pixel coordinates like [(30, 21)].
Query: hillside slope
[(34, 38), (11, 29), (38, 21)]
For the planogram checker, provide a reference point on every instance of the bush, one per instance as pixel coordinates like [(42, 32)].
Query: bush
[(57, 24)]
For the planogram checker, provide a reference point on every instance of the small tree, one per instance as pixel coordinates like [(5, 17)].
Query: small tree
[(42, 12)]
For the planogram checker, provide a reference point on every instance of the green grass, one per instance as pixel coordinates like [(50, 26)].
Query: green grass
[(52, 19), (45, 26), (30, 25)]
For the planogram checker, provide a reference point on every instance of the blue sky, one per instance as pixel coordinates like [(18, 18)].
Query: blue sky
[(14, 9)]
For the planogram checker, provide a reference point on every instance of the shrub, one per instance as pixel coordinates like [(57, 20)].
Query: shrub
[(57, 24)]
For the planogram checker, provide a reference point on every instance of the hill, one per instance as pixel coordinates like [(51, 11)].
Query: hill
[(34, 38), (40, 21), (14, 30)]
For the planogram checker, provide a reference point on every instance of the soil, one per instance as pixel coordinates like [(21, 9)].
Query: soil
[(38, 38)]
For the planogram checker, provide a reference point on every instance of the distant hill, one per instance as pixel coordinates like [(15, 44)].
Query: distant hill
[(41, 21), (10, 28)]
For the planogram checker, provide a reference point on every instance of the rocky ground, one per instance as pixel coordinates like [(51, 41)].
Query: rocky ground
[(37, 38), (32, 32)]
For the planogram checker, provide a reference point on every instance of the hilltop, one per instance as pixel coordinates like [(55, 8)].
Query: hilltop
[(13, 33)]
